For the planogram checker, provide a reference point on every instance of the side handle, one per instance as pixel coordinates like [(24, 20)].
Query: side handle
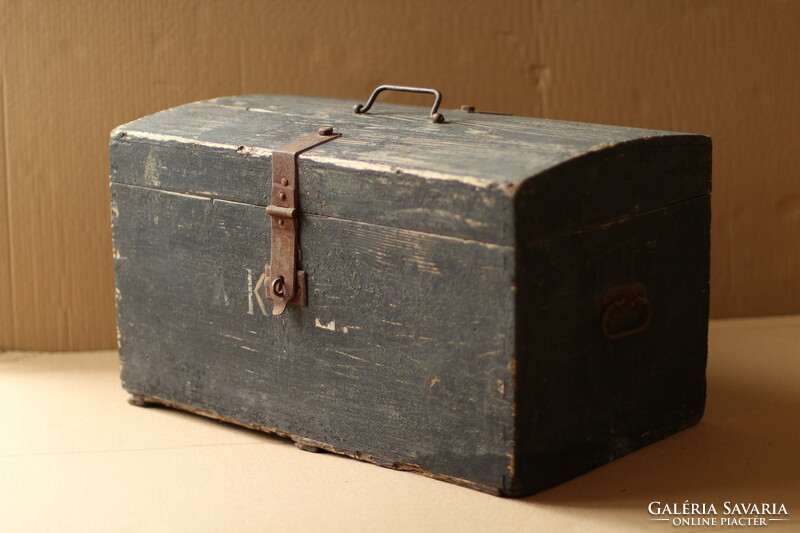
[(625, 311)]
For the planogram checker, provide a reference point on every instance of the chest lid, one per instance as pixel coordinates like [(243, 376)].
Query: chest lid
[(468, 177)]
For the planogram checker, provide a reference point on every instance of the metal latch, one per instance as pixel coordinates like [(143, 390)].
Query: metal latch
[(287, 285)]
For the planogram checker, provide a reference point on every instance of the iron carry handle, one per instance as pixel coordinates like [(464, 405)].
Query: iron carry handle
[(436, 117)]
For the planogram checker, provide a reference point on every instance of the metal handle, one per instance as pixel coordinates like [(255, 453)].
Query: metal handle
[(638, 308), (625, 311), (435, 115)]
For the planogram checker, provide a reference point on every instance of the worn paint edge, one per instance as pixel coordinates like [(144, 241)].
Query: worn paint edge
[(146, 400), (424, 174), (254, 151)]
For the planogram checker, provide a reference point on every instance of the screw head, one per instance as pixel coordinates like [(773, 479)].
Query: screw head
[(326, 130), (284, 182), (282, 196), (278, 286)]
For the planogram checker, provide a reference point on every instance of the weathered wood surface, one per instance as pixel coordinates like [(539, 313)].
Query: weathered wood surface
[(383, 363), (455, 275), (394, 167)]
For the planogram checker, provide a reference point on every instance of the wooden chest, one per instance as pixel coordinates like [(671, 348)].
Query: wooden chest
[(499, 302)]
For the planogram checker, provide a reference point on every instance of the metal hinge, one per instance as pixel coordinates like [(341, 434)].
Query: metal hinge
[(285, 284)]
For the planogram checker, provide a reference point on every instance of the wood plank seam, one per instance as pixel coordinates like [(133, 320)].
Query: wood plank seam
[(315, 215)]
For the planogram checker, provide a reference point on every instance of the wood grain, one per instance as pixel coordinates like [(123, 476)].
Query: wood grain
[(380, 363)]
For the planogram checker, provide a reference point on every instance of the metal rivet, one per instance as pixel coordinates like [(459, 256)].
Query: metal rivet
[(284, 182), (282, 196), (326, 130), (280, 222), (278, 286)]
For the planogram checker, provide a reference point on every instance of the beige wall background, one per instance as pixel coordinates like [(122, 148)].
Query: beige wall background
[(71, 71)]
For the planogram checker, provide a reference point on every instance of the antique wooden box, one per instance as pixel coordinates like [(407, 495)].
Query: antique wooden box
[(500, 302)]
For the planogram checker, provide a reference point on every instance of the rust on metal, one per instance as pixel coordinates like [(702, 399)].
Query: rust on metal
[(286, 285), (300, 295)]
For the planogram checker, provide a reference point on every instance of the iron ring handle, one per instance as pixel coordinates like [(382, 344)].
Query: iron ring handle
[(435, 115), (638, 302)]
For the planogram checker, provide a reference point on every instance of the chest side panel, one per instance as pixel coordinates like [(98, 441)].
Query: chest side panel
[(402, 355), (600, 378)]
